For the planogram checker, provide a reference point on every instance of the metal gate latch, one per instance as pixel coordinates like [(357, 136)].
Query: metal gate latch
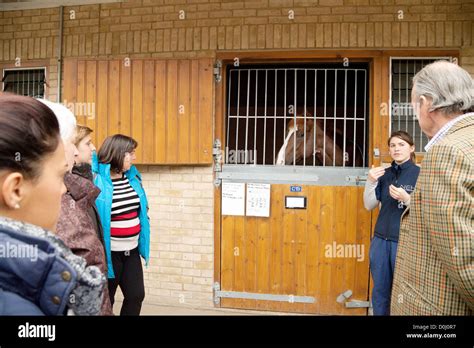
[(342, 298), (356, 178)]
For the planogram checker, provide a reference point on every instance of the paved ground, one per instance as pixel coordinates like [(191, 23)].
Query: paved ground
[(150, 309)]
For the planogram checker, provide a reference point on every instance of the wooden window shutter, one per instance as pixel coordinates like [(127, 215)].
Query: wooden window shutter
[(166, 105)]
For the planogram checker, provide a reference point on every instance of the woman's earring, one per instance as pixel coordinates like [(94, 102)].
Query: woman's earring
[(17, 206)]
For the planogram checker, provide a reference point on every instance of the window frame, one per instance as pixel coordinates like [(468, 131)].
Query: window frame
[(35, 64), (5, 69), (390, 99)]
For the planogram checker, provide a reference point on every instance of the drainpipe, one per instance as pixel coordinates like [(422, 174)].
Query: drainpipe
[(60, 51)]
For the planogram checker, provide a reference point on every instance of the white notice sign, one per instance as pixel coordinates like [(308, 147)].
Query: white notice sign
[(233, 198), (258, 200)]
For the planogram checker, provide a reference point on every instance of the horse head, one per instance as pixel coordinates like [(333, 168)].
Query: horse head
[(307, 143), (298, 134)]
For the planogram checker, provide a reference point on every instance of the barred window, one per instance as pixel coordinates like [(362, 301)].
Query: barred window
[(26, 82), (401, 112), (297, 114)]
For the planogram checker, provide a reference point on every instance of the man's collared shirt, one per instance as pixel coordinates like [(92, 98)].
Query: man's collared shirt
[(442, 132)]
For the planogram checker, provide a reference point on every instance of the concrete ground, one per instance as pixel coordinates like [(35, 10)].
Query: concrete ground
[(152, 309), (155, 309)]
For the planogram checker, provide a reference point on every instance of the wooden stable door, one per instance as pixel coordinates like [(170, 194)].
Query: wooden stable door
[(166, 105), (319, 252)]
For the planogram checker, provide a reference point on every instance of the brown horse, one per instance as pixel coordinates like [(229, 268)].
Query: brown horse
[(319, 146)]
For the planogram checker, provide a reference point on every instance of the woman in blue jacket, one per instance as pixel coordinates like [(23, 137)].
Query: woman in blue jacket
[(391, 187), (123, 210), (39, 274)]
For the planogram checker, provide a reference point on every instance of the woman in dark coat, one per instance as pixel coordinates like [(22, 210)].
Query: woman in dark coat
[(78, 224)]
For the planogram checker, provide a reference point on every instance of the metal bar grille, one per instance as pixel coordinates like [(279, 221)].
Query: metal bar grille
[(25, 81), (402, 115), (299, 116)]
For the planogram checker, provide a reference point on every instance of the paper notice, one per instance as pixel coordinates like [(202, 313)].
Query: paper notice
[(233, 198), (258, 200)]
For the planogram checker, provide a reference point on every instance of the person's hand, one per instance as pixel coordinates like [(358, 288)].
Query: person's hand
[(399, 194), (375, 174)]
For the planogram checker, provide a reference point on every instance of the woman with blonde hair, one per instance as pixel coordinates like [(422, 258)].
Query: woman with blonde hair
[(79, 223)]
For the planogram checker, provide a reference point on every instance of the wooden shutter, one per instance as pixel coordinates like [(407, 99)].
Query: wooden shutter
[(166, 105)]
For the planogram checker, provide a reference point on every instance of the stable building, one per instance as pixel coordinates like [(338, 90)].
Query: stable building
[(257, 122)]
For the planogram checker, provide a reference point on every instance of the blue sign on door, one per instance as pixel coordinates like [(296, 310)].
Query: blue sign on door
[(295, 188)]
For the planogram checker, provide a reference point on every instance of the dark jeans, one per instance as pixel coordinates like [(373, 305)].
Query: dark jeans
[(382, 256), (129, 276)]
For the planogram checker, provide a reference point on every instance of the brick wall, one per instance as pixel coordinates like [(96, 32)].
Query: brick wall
[(181, 202), (181, 216), (31, 35)]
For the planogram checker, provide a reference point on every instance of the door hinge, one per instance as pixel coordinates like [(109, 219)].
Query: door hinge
[(216, 288), (217, 155), (218, 71), (218, 294)]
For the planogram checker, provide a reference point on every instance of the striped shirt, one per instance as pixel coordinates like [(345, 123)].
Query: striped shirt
[(125, 223)]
